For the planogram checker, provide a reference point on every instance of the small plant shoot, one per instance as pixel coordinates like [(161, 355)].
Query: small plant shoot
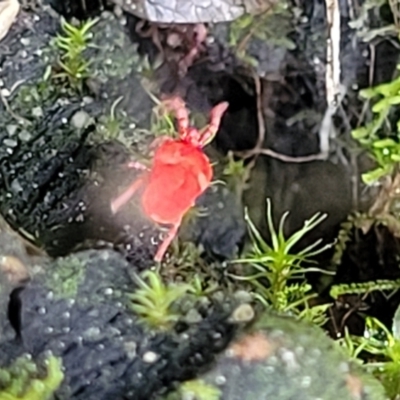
[(382, 349), (72, 44), (379, 137), (275, 265), (153, 300)]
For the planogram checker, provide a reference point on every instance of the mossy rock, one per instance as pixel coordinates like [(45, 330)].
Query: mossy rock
[(285, 359), (78, 308)]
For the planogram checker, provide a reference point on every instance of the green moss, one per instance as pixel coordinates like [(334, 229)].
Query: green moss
[(65, 277), (185, 264), (26, 107), (236, 174), (116, 123), (274, 267), (383, 349), (195, 390), (154, 300), (71, 46), (75, 63), (200, 390), (380, 136), (24, 380)]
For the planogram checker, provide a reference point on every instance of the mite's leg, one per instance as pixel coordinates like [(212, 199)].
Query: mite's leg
[(167, 241), (215, 119), (125, 196)]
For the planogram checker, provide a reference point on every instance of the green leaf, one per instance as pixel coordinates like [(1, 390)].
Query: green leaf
[(395, 157), (384, 143), (381, 105), (368, 93), (394, 100), (243, 22), (372, 176), (360, 133), (388, 89), (396, 324), (274, 265)]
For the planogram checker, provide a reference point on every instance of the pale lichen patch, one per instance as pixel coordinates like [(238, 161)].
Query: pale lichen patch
[(254, 347), (355, 386), (15, 270)]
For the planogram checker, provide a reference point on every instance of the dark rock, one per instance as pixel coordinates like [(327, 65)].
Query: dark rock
[(221, 230), (77, 307), (16, 258), (48, 185)]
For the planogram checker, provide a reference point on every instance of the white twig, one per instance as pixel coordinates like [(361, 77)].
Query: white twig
[(327, 129), (332, 75), (333, 53)]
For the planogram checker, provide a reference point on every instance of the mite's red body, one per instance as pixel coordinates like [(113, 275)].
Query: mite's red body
[(180, 173)]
